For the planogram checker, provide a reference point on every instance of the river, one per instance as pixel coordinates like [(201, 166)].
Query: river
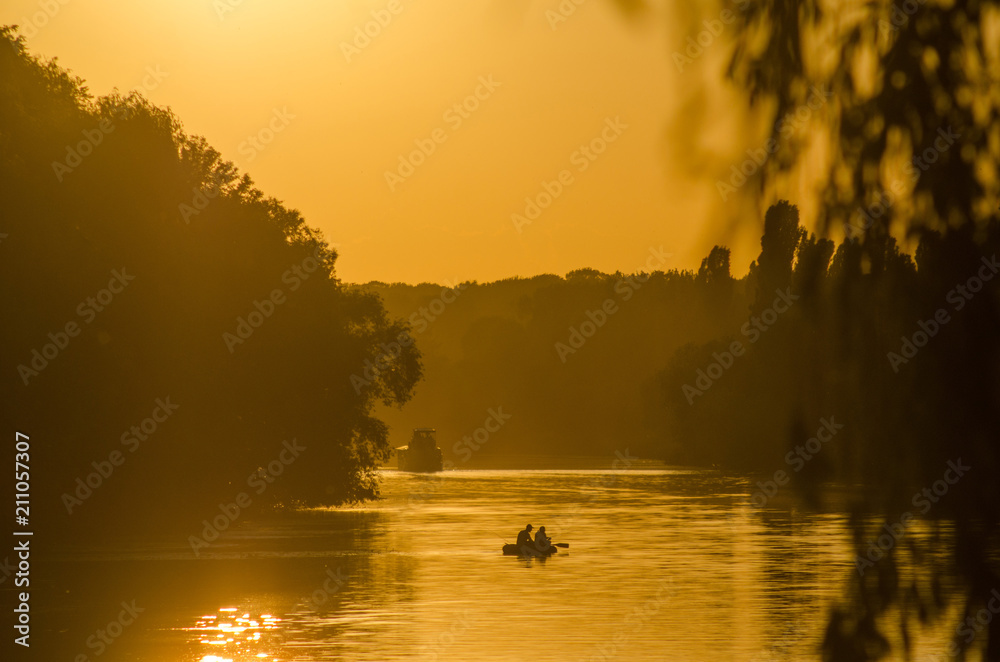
[(663, 564)]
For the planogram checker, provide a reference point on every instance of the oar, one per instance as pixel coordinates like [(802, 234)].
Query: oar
[(564, 545)]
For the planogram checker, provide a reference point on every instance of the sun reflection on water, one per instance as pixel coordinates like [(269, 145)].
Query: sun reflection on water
[(234, 635)]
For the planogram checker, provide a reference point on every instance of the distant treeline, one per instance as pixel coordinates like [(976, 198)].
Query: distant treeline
[(701, 368), (169, 330), (572, 360), (901, 351)]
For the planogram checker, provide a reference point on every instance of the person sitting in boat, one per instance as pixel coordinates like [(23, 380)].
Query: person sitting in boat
[(542, 541), (524, 537)]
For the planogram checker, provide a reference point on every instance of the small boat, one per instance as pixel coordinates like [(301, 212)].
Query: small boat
[(513, 550), (422, 455)]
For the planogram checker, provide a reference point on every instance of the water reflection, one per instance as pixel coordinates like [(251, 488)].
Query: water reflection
[(664, 564), (232, 637)]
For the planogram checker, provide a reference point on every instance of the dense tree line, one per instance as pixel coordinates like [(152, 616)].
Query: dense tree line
[(905, 349), (851, 364), (877, 370), (573, 360), (169, 329)]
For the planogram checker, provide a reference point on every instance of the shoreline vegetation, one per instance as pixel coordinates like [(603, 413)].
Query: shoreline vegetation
[(126, 301), (852, 363)]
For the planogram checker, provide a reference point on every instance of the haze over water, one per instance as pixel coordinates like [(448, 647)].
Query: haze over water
[(664, 564), (247, 247)]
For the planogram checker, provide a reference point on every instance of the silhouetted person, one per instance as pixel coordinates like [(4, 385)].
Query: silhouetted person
[(542, 541), (524, 537)]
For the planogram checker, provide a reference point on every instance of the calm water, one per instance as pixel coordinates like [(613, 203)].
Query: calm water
[(663, 564)]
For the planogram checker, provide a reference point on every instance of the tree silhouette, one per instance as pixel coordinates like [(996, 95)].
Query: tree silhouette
[(778, 245), (230, 310), (908, 137)]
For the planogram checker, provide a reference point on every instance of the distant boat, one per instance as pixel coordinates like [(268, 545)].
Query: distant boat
[(514, 550), (422, 454)]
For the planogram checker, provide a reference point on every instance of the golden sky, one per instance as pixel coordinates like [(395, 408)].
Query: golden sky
[(333, 114)]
